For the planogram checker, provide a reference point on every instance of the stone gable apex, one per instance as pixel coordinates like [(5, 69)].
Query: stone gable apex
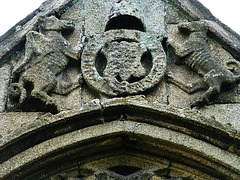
[(120, 89), (11, 40)]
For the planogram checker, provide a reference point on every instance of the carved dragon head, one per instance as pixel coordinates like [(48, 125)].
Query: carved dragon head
[(194, 26), (53, 24)]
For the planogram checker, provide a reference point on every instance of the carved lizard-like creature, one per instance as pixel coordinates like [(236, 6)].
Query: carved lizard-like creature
[(195, 54), (47, 54)]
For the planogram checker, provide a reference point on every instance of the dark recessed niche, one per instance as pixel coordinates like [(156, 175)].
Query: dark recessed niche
[(124, 170), (125, 22), (147, 62), (100, 63), (118, 77)]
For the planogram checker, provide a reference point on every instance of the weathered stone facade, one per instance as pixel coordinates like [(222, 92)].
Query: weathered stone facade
[(120, 89)]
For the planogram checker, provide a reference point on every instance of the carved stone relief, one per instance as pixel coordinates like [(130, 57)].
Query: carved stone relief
[(125, 55), (119, 169), (116, 173), (195, 54), (47, 54), (123, 62), (105, 89)]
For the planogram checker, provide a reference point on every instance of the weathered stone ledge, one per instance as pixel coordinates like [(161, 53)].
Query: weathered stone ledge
[(155, 136), (17, 132)]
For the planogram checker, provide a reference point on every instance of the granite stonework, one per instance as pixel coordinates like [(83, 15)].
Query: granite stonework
[(120, 89)]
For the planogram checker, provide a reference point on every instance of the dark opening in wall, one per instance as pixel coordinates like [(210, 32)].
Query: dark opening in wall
[(147, 61), (125, 22), (124, 170), (100, 63)]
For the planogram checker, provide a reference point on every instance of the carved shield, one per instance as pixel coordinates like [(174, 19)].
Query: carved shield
[(123, 62)]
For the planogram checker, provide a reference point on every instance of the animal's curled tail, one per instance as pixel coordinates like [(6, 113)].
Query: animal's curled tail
[(17, 92)]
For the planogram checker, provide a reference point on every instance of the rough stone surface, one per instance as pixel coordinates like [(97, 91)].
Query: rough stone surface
[(120, 89), (196, 54), (18, 123), (138, 130), (4, 81), (43, 63), (16, 35), (105, 73), (227, 114)]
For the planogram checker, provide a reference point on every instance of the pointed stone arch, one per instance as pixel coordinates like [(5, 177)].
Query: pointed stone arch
[(111, 143)]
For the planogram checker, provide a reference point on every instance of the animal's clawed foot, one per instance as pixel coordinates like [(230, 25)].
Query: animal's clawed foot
[(51, 102), (43, 97), (53, 106), (79, 79), (200, 102), (170, 41), (183, 25)]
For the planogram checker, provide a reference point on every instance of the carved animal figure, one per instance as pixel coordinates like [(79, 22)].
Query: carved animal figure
[(47, 54), (195, 54)]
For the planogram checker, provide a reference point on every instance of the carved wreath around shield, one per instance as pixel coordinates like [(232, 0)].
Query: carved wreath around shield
[(112, 64)]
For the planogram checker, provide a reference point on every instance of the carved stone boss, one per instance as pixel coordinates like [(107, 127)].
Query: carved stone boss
[(123, 62)]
